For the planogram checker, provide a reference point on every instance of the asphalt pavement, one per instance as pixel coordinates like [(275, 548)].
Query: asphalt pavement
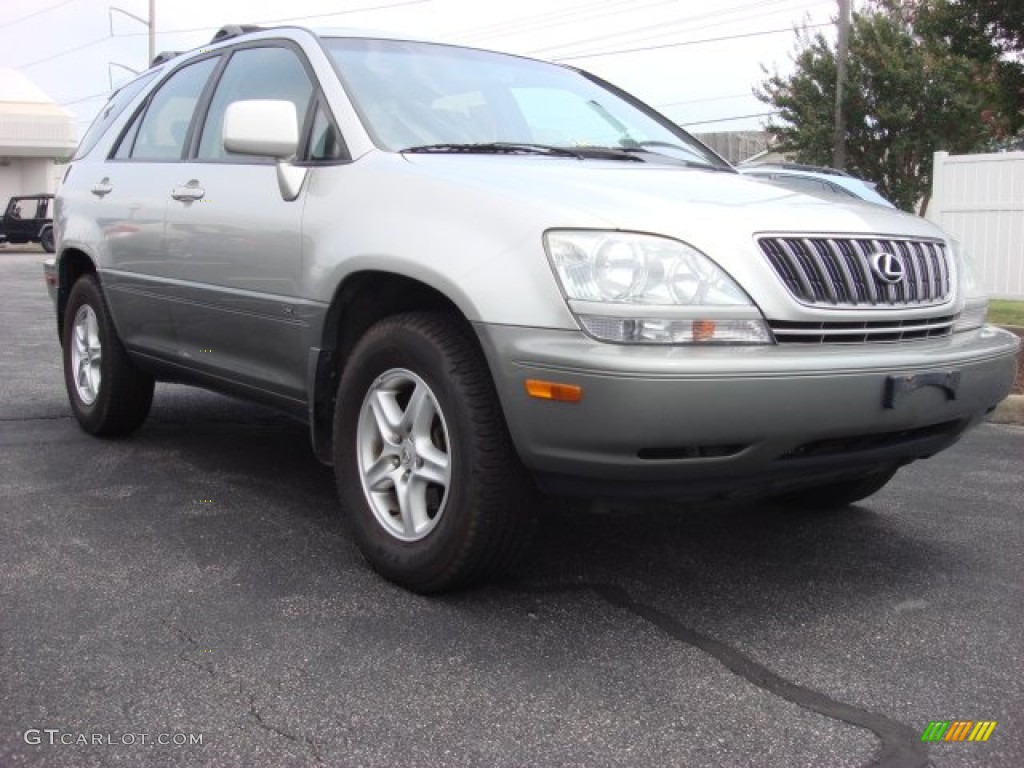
[(194, 585)]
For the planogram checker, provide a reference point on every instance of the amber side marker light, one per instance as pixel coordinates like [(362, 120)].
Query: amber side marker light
[(703, 330), (552, 390)]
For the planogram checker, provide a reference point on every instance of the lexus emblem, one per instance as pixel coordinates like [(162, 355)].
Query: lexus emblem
[(889, 267)]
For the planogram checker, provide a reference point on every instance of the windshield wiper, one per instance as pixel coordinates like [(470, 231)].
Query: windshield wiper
[(517, 148), (693, 160), (495, 148)]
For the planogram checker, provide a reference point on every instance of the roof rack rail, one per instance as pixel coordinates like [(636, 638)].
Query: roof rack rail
[(234, 30), (163, 56)]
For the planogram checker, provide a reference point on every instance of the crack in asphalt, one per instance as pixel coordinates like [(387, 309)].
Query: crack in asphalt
[(254, 710), (901, 746)]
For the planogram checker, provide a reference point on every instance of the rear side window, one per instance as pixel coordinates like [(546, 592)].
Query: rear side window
[(118, 101), (254, 73), (160, 131)]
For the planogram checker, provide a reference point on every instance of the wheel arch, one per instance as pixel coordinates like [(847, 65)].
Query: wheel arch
[(71, 265), (361, 300)]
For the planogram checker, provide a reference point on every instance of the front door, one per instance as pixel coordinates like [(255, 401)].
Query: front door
[(234, 244)]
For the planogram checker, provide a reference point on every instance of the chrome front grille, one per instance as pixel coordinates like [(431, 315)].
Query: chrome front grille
[(838, 271), (919, 329)]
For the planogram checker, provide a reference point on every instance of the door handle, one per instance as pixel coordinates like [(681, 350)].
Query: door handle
[(103, 188), (189, 193)]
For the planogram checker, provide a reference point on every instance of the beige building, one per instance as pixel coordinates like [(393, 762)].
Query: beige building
[(34, 132)]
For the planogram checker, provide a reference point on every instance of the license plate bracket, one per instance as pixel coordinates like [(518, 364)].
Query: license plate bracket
[(898, 385)]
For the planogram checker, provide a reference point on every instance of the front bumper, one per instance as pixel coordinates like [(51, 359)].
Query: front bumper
[(50, 278), (705, 422)]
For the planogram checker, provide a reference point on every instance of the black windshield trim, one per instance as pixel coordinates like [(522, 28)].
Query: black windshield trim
[(517, 148)]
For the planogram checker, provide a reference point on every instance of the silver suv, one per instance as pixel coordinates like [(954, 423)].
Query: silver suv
[(475, 275)]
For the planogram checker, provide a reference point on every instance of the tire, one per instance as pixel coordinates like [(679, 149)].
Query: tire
[(110, 397), (837, 494), (46, 240), (432, 487)]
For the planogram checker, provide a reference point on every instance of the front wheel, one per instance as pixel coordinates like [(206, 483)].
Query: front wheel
[(837, 494), (109, 395), (428, 478), (46, 240)]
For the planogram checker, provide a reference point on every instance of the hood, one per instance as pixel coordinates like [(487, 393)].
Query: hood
[(720, 213), (684, 202)]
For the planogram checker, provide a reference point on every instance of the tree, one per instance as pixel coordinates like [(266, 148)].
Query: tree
[(905, 97), (981, 25), (990, 32)]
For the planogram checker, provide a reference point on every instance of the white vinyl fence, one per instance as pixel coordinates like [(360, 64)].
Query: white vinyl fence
[(979, 200)]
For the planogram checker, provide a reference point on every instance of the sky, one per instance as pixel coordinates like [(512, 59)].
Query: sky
[(697, 61)]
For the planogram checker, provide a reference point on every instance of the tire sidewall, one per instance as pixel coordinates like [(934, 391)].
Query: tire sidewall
[(406, 562), (86, 292)]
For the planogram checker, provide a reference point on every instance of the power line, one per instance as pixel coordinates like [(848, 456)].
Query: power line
[(203, 29), (701, 101), (666, 28), (82, 47), (560, 18), (40, 12), (101, 94), (730, 119), (287, 18), (685, 42), (515, 26), (344, 13)]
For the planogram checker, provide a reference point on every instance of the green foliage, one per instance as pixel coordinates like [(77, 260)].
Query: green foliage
[(906, 96), (990, 32), (1005, 312), (978, 28)]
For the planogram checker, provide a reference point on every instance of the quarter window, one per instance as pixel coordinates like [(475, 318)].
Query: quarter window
[(110, 113), (325, 143)]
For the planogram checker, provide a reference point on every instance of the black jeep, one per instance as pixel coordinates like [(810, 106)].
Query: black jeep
[(28, 219)]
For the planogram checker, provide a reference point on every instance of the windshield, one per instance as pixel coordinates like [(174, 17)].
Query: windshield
[(421, 95)]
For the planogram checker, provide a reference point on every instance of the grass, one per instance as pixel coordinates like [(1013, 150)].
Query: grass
[(1005, 312)]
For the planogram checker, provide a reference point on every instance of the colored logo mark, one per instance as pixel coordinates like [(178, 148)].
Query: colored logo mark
[(959, 730)]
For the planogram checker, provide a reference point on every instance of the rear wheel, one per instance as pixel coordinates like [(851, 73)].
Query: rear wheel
[(429, 480), (46, 240), (109, 395), (837, 494)]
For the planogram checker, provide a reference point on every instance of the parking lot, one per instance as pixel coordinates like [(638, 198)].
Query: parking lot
[(194, 585)]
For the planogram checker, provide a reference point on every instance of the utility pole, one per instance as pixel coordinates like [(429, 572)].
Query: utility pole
[(150, 24), (152, 31), (842, 53)]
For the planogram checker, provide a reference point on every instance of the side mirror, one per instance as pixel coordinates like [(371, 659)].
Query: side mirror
[(267, 128), (261, 127)]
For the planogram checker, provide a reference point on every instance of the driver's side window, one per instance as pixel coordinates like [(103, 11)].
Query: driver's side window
[(254, 73)]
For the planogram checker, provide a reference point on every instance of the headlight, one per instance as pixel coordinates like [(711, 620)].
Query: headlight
[(628, 287), (975, 300)]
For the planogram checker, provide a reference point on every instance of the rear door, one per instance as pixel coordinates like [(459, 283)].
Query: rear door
[(130, 194)]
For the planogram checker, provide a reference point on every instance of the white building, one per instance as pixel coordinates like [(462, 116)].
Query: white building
[(34, 132)]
